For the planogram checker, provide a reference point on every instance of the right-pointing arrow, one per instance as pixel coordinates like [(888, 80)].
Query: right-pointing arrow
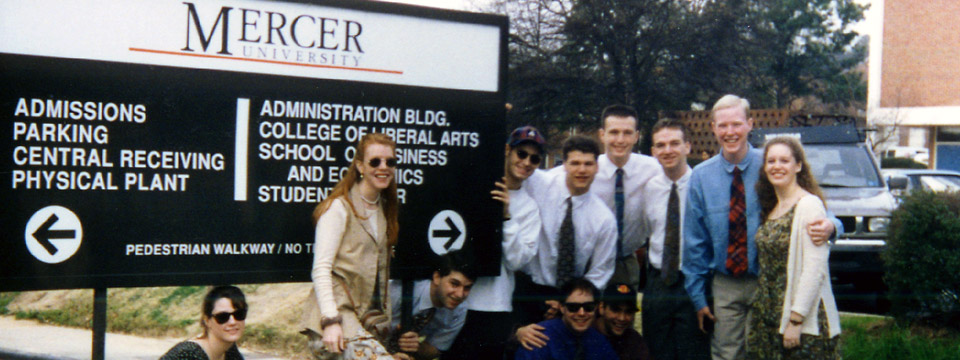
[(44, 234), (452, 233)]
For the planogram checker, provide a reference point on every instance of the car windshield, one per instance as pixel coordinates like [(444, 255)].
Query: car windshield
[(842, 165)]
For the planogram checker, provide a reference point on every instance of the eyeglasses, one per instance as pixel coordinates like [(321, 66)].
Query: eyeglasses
[(575, 307), (534, 158), (223, 317), (375, 162)]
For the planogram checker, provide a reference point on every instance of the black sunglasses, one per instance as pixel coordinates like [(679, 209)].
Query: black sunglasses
[(375, 162), (575, 307), (223, 317), (534, 158)]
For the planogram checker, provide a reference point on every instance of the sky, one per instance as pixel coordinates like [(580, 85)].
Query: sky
[(443, 4)]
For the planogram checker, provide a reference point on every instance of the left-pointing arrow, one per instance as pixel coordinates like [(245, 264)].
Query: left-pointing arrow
[(44, 234)]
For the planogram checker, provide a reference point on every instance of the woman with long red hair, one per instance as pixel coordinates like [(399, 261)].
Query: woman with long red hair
[(356, 224)]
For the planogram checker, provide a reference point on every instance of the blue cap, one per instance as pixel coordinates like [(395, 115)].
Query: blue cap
[(526, 134)]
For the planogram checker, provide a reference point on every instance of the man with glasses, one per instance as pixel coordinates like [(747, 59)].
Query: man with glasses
[(489, 319), (437, 314), (573, 336)]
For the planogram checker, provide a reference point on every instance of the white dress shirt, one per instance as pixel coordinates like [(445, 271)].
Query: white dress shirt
[(594, 225), (638, 170), (520, 236), (656, 196), (445, 324)]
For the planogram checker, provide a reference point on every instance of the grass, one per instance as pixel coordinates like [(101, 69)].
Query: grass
[(76, 312), (274, 339), (882, 338), (6, 299)]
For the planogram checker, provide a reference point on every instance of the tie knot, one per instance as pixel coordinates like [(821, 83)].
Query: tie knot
[(619, 171), (736, 171)]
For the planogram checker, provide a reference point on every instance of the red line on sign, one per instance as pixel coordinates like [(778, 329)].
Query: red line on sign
[(267, 61)]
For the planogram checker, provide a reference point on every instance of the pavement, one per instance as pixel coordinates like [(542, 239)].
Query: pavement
[(27, 339)]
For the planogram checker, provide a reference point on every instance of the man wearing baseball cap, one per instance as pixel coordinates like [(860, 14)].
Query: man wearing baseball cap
[(616, 313), (489, 319)]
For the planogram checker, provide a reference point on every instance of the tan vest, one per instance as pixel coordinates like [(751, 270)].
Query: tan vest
[(361, 264)]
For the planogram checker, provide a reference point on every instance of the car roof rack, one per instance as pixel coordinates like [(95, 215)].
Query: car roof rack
[(836, 134)]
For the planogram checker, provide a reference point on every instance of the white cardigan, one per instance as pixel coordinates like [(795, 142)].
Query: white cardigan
[(808, 273)]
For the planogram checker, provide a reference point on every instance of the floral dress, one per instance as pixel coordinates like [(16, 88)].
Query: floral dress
[(764, 340)]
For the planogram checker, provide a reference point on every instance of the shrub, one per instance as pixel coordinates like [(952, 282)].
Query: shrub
[(922, 259), (900, 163)]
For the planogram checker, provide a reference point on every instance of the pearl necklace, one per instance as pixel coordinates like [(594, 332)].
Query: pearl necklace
[(374, 202)]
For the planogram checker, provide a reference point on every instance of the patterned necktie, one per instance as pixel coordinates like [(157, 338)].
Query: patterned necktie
[(671, 240), (418, 323), (737, 242), (565, 259), (421, 320), (618, 201)]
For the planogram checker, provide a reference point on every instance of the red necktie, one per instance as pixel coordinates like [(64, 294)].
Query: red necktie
[(737, 245)]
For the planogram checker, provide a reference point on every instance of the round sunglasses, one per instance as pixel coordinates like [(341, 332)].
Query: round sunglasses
[(223, 317), (375, 162)]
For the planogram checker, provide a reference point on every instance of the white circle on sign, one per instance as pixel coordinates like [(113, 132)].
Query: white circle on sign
[(447, 232), (53, 234)]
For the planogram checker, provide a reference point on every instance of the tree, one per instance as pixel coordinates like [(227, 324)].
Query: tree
[(789, 49), (569, 58)]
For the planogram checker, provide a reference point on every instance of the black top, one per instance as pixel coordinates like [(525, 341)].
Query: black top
[(630, 346), (189, 350)]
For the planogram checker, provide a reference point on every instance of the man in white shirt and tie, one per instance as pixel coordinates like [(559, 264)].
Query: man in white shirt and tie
[(670, 328), (579, 233), (619, 183)]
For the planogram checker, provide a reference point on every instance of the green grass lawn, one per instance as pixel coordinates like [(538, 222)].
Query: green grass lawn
[(876, 338)]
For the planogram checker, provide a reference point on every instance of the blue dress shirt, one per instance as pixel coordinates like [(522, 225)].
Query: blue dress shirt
[(706, 223)]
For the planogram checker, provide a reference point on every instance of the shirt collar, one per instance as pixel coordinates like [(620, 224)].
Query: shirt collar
[(681, 181), (608, 170), (743, 165), (426, 302)]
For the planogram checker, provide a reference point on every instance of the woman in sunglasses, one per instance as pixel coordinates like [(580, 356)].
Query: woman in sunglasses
[(223, 313), (355, 224)]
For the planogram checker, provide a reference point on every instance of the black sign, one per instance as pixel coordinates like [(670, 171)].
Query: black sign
[(122, 174)]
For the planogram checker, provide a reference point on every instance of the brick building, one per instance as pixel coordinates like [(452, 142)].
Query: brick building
[(914, 76)]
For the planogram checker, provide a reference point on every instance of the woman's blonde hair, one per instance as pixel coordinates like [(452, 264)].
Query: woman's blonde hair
[(388, 197)]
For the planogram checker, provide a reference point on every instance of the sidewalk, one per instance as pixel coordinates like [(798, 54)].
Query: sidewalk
[(23, 339)]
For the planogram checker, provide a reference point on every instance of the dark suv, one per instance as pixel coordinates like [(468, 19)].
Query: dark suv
[(855, 192)]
